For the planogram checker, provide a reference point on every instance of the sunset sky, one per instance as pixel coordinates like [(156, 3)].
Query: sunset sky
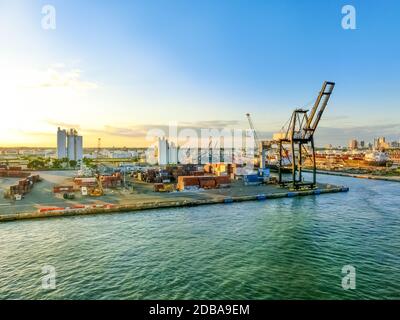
[(114, 69)]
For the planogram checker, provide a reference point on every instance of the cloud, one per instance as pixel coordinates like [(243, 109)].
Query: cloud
[(336, 118), (55, 76), (216, 124), (61, 78), (341, 136), (63, 124), (141, 131), (323, 135), (30, 133), (133, 132)]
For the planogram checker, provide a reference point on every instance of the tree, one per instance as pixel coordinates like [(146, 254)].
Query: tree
[(89, 163), (57, 164), (86, 161), (72, 163), (38, 163)]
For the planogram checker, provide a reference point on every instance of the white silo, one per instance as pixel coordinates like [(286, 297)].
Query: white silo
[(173, 154), (61, 143), (162, 149), (71, 145), (78, 148)]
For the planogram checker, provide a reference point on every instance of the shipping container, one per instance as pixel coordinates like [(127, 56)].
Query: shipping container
[(187, 181), (14, 168), (84, 180), (13, 174), (207, 183), (251, 178), (62, 189), (222, 180)]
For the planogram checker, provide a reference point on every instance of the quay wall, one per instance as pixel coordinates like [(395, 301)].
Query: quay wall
[(163, 204)]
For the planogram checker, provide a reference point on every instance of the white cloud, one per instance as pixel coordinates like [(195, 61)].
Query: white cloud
[(61, 78), (65, 79), (55, 76)]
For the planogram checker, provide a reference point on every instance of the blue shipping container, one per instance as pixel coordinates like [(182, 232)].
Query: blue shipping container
[(251, 178)]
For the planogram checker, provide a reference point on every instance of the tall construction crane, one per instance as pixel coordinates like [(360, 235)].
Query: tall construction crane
[(256, 139), (300, 136), (261, 146)]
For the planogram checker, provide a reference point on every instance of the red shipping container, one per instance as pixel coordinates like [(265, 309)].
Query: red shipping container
[(187, 181), (221, 180), (15, 168), (207, 184)]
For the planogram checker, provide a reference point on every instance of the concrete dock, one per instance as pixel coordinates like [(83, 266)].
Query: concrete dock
[(140, 197)]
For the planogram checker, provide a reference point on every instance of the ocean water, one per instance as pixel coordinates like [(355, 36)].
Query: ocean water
[(291, 248)]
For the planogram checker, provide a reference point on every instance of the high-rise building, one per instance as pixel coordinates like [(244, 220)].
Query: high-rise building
[(353, 144), (69, 145), (395, 144), (61, 140), (380, 143)]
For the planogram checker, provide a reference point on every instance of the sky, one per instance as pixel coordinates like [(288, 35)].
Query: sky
[(116, 69)]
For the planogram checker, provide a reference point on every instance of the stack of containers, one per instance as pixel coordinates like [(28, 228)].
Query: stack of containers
[(112, 181)]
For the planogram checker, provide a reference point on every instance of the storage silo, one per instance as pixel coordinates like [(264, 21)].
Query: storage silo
[(61, 143), (71, 145), (78, 148)]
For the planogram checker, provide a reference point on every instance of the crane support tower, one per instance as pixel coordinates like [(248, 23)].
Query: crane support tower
[(299, 136)]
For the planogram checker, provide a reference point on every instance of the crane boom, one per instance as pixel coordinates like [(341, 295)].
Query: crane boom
[(318, 108), (257, 140)]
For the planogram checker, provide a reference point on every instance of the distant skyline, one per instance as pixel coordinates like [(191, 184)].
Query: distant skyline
[(116, 69)]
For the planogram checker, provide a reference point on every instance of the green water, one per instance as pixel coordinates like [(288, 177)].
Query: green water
[(285, 248)]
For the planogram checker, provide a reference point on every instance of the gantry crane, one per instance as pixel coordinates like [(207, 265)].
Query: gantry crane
[(300, 136)]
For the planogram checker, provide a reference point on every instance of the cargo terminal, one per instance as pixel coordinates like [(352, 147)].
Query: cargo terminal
[(98, 188)]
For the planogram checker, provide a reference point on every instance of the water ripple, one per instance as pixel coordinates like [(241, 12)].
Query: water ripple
[(286, 248)]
